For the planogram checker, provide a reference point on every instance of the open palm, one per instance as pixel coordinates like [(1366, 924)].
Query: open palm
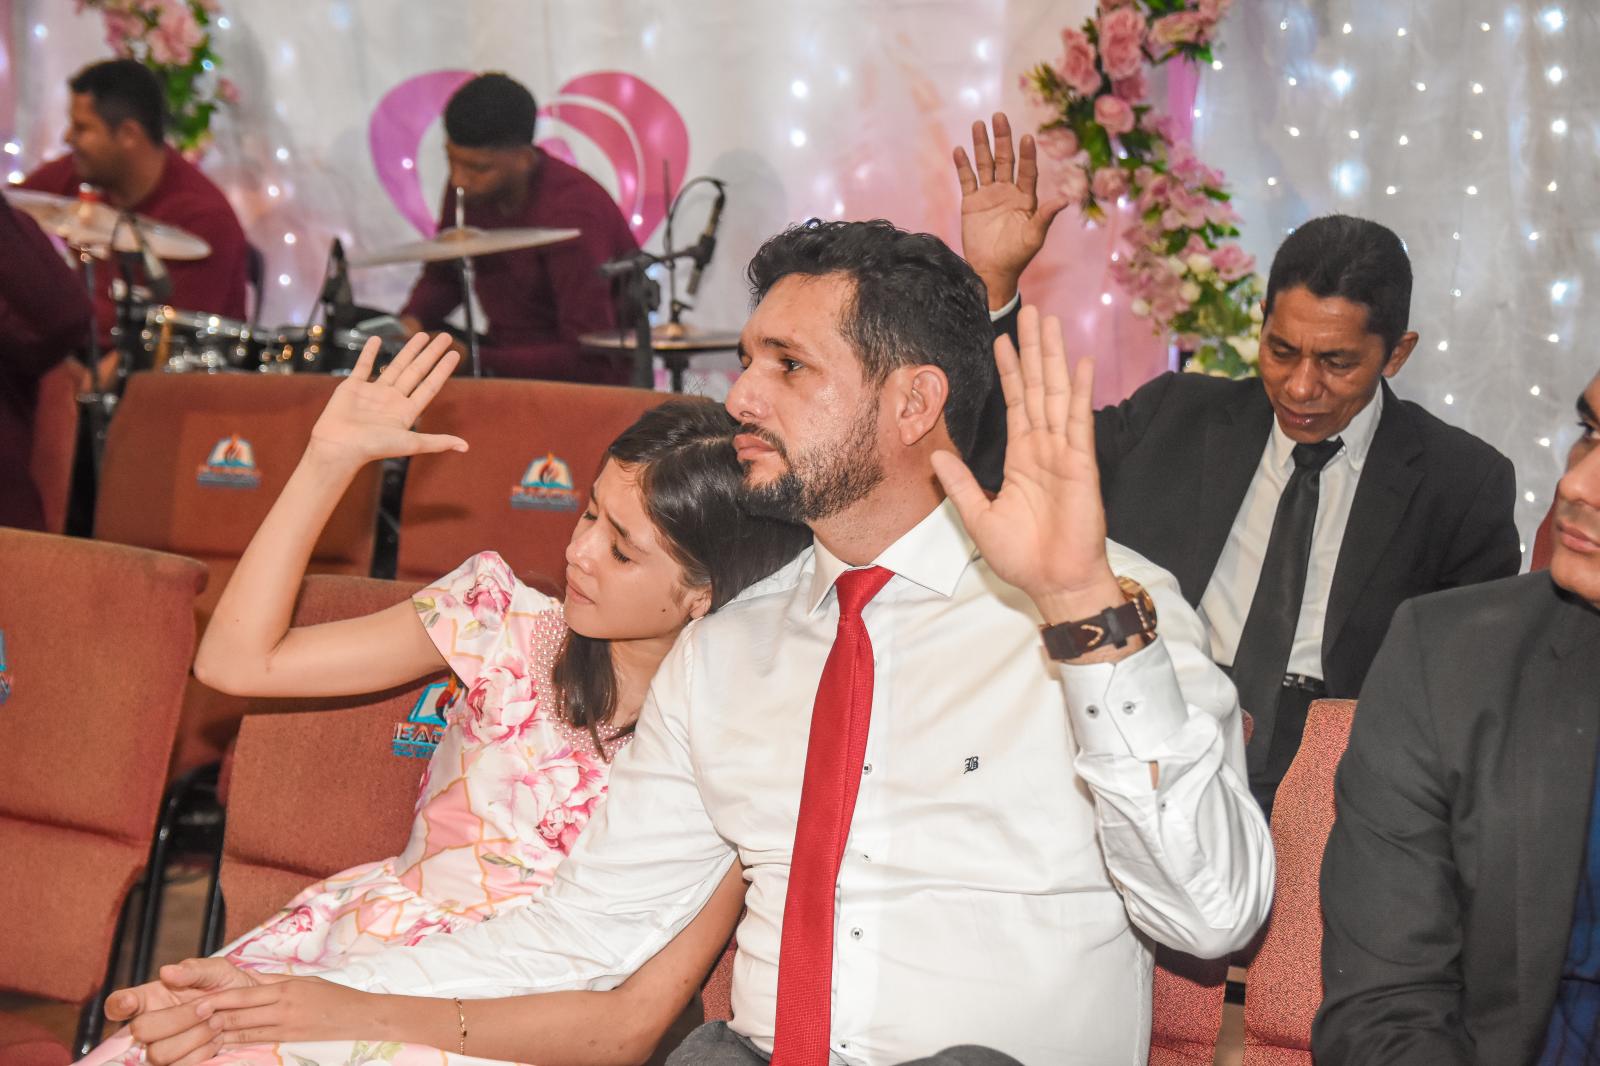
[(1003, 225), (372, 419), (1045, 531)]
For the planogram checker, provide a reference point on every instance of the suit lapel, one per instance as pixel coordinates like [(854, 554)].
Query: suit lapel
[(1235, 435), (1555, 732), (1387, 483)]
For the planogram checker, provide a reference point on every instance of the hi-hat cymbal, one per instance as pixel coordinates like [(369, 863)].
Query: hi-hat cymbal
[(464, 242), (667, 337), (91, 224)]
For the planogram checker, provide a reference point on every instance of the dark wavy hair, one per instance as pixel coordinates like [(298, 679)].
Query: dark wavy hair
[(682, 455), (915, 301), (1354, 258)]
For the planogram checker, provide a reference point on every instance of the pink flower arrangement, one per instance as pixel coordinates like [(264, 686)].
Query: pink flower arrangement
[(1182, 266), (173, 39)]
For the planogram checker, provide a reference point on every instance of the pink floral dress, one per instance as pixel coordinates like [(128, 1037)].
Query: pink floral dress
[(505, 795)]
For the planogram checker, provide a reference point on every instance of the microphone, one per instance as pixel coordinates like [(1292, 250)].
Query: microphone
[(625, 265), (706, 246), (155, 271)]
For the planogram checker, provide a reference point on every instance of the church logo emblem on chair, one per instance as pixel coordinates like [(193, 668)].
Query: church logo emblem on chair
[(546, 486), (231, 465), (419, 734)]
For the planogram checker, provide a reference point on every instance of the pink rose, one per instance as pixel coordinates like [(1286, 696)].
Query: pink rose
[(502, 702), (1077, 63), (488, 600), (1114, 114), (1182, 27), (1132, 89), (175, 37), (227, 91), (1110, 183), (1232, 262), (1213, 10), (121, 28), (1058, 142), (1122, 42), (1073, 183)]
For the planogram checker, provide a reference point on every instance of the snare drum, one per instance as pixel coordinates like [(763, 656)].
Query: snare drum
[(314, 350), (181, 342)]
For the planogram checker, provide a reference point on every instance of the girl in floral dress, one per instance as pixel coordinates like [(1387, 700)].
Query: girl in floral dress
[(544, 696)]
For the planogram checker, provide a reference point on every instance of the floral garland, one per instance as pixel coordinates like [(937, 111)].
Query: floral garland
[(1184, 271), (173, 39)]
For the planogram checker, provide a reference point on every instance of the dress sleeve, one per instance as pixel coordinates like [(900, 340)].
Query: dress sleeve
[(465, 611)]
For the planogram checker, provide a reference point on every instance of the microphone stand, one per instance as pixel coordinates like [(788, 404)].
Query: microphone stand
[(468, 284)]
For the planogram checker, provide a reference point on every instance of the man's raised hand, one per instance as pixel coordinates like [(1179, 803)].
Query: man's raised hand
[(1003, 224)]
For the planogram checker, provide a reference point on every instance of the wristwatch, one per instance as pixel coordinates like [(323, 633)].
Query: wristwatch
[(1114, 626)]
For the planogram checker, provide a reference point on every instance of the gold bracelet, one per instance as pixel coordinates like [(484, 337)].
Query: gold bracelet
[(461, 1017)]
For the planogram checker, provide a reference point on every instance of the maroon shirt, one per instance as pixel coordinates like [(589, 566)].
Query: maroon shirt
[(44, 313), (183, 197), (538, 300)]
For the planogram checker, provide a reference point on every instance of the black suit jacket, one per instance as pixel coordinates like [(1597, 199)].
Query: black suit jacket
[(1463, 807)]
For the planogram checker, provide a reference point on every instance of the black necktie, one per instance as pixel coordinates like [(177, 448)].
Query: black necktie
[(1262, 658)]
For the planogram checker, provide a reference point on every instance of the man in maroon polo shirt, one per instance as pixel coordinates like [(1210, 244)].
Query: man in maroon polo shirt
[(115, 135), (537, 300)]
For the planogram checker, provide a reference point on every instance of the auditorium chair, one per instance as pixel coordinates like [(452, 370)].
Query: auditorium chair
[(95, 645), (534, 450), (314, 786), (192, 464), (55, 440), (1284, 979)]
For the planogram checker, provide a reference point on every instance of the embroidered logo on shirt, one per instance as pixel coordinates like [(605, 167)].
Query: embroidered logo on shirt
[(972, 764), (419, 734), (231, 465), (5, 675), (546, 486)]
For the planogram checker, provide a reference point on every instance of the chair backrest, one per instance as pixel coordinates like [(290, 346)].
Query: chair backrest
[(55, 440), (194, 461), (536, 447), (95, 645), (317, 786), (1543, 542), (1186, 1008), (1284, 980)]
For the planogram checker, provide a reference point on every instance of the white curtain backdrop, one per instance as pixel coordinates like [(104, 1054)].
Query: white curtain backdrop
[(1469, 127)]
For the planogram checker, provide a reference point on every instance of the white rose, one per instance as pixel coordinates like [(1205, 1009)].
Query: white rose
[(1177, 266), (1140, 307), (1200, 263), (1256, 314), (1248, 348), (1190, 292)]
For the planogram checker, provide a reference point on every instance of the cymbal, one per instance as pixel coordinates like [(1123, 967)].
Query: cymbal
[(90, 224), (667, 337), (463, 242)]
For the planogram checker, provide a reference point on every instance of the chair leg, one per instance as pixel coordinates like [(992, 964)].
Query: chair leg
[(155, 878), (216, 908), (91, 1020)]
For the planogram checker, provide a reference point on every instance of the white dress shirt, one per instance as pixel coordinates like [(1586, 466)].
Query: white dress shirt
[(1008, 856), (1226, 603)]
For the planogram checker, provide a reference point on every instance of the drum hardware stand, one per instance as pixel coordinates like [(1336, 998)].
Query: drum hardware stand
[(468, 281)]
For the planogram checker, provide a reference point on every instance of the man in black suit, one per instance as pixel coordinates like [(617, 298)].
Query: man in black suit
[(1297, 510), (1461, 883)]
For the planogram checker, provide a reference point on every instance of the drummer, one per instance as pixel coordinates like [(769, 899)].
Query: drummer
[(115, 133), (537, 300)]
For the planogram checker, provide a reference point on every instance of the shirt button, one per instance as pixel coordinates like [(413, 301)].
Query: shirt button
[(855, 934), (1129, 707), (867, 769), (865, 857), (1092, 711)]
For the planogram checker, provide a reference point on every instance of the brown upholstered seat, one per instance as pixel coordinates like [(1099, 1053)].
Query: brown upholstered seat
[(55, 440), (1284, 981), (97, 644), (315, 787), (518, 431)]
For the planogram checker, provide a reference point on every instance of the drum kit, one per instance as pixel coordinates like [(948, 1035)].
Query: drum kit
[(154, 335)]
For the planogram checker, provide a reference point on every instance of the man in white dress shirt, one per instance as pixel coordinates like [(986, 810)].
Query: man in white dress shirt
[(1005, 835)]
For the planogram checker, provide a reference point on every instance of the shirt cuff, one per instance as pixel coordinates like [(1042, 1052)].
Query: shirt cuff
[(1131, 707), (1011, 306)]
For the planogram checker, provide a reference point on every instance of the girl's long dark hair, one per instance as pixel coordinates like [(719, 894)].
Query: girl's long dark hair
[(682, 455)]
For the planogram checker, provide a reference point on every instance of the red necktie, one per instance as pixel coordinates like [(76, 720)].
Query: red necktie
[(834, 755)]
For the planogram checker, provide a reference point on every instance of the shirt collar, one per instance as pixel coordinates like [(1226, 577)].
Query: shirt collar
[(1357, 437), (934, 554)]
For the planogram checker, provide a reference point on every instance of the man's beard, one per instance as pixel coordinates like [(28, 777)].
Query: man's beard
[(822, 482)]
